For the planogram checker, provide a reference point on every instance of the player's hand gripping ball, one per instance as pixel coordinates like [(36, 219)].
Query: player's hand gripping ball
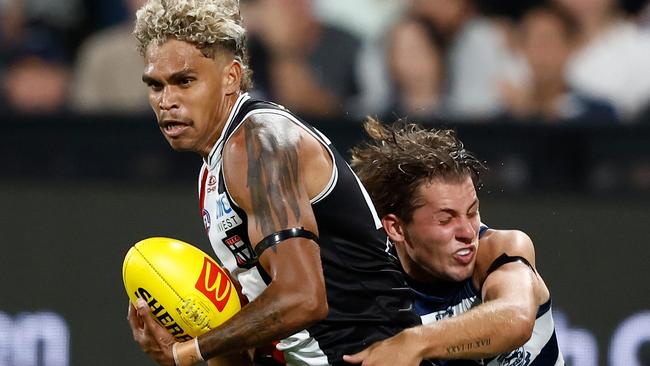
[(187, 291)]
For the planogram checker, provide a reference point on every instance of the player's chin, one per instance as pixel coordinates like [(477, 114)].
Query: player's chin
[(460, 272), (180, 144), (458, 275)]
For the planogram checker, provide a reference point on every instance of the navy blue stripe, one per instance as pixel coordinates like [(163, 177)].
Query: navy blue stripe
[(544, 308), (482, 230), (426, 303), (548, 355)]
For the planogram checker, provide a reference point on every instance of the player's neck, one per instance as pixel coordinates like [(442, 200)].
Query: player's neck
[(228, 103)]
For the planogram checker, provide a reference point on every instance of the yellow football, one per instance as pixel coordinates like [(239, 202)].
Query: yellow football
[(187, 291)]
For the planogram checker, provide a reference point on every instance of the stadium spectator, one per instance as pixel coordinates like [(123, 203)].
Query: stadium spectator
[(369, 20), (415, 61), (108, 69), (64, 19), (612, 61), (299, 61), (478, 57), (37, 77), (548, 36)]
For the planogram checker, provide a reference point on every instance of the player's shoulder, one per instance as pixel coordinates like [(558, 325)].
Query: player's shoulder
[(267, 132), (506, 240), (273, 134), (494, 243)]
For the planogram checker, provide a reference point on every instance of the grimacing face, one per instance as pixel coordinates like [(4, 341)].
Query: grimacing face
[(441, 241), (189, 93)]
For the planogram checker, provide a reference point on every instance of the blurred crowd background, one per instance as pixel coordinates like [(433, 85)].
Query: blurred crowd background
[(551, 62), (568, 81)]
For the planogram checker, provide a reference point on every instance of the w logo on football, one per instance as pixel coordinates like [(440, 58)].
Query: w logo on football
[(214, 284)]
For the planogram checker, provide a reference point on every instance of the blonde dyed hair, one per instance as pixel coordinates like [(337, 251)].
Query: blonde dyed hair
[(211, 25)]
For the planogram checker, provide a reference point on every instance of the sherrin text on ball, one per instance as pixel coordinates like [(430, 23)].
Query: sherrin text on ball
[(187, 291)]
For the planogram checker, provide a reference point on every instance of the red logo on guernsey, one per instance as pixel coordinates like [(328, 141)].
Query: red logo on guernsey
[(212, 180), (214, 284), (211, 184)]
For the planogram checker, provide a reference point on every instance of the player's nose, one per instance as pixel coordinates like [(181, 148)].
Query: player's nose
[(168, 99), (465, 232)]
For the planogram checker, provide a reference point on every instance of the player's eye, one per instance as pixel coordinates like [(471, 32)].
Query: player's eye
[(154, 86), (185, 82)]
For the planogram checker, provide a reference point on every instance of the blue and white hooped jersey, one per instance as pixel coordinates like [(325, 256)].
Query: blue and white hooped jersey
[(437, 302)]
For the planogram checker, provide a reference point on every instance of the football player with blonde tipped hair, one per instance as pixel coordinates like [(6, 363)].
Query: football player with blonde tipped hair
[(284, 212)]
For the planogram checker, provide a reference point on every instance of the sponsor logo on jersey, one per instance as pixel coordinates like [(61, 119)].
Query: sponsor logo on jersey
[(228, 223), (447, 313), (518, 357), (223, 206), (212, 184), (242, 252), (223, 215), (214, 284)]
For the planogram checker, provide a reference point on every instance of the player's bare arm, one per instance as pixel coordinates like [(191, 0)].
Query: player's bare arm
[(266, 166), (511, 295), (504, 321)]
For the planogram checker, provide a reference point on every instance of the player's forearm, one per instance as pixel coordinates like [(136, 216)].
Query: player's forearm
[(485, 331), (270, 317)]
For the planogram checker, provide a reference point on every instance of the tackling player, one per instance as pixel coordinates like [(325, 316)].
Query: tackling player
[(476, 289)]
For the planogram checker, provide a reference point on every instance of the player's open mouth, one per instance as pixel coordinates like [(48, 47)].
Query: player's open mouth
[(465, 255), (174, 128), (464, 252)]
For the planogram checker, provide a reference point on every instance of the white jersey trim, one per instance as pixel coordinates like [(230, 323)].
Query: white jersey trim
[(204, 167), (301, 349), (371, 206), (218, 145), (329, 187)]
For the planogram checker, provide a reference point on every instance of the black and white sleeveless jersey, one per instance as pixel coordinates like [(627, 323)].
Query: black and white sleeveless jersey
[(366, 292), (436, 302)]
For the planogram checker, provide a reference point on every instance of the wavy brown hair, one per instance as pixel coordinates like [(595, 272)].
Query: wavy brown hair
[(400, 157)]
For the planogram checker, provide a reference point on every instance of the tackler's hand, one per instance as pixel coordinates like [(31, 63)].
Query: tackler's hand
[(151, 336)]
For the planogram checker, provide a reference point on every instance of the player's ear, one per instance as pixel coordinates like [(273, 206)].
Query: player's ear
[(232, 76), (394, 228)]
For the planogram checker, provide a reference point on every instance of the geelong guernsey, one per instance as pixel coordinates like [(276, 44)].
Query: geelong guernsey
[(436, 302), (366, 292)]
